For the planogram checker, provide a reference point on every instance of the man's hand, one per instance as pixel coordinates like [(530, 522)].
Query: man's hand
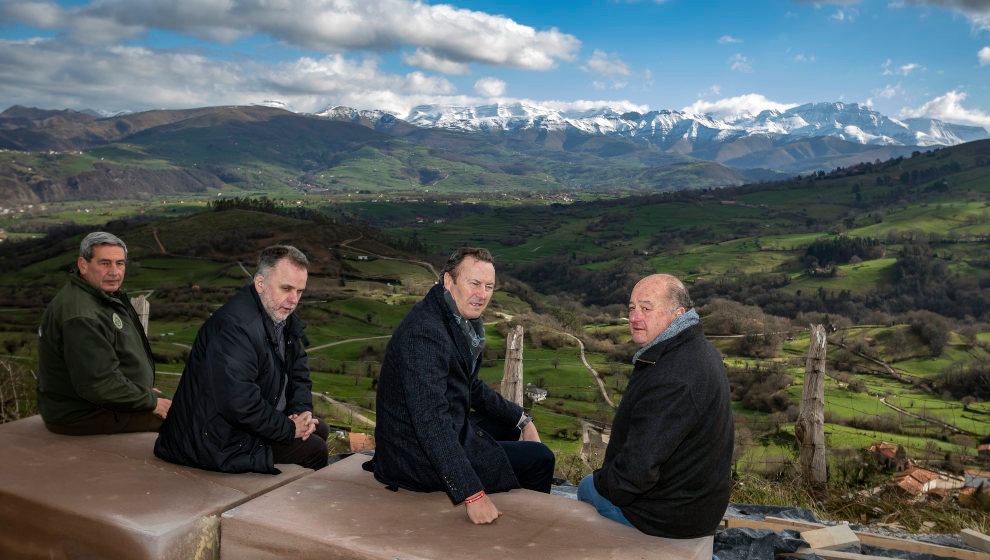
[(482, 511), (305, 424), (529, 433), (161, 407)]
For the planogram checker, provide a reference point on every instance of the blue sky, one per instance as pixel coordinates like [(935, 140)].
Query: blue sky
[(905, 58)]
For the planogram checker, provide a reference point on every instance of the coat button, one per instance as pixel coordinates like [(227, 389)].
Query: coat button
[(481, 434)]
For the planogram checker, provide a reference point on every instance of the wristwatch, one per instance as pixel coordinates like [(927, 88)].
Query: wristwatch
[(522, 423)]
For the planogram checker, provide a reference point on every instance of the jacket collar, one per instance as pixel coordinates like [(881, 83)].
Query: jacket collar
[(436, 299), (78, 281), (653, 354), (293, 325)]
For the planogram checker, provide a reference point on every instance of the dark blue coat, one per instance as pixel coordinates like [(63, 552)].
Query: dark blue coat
[(223, 415), (424, 438), (667, 464)]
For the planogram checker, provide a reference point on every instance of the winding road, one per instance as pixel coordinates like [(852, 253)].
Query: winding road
[(598, 379)]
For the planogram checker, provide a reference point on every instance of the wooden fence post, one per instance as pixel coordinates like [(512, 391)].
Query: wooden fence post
[(143, 308), (512, 375), (810, 426)]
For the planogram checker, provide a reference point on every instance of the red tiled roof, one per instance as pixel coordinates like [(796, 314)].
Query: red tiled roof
[(888, 450)]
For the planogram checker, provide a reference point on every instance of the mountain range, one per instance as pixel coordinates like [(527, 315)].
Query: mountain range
[(72, 155), (745, 141)]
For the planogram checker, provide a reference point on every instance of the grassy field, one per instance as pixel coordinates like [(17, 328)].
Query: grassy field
[(714, 239)]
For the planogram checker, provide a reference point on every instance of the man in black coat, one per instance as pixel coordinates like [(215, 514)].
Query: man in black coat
[(426, 439), (244, 401), (666, 469)]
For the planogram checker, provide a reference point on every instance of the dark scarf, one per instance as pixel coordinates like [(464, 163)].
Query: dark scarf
[(473, 329)]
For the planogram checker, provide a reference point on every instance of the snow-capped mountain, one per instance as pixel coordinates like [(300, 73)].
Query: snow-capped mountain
[(669, 129)]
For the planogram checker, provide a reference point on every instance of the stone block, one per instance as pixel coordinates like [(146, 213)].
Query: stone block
[(343, 512), (108, 496)]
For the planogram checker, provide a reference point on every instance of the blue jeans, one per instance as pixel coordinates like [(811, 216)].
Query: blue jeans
[(588, 493)]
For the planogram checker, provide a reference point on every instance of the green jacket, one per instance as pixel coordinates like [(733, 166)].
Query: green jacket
[(92, 354)]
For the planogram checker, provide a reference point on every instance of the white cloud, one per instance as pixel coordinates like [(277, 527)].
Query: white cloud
[(984, 56), (724, 39), (606, 65), (715, 89), (423, 58), (731, 108), (888, 91), (48, 73), (490, 87), (447, 33), (907, 68), (839, 15), (903, 70), (740, 63), (949, 108), (976, 11), (802, 58)]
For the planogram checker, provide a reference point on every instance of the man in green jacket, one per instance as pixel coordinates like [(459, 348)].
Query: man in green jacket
[(96, 367)]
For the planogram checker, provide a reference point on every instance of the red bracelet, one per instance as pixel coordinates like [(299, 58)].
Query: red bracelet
[(473, 499)]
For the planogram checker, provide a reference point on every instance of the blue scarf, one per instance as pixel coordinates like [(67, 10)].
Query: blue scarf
[(682, 322), (473, 329)]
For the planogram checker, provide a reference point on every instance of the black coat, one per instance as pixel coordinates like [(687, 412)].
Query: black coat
[(223, 415), (667, 464), (424, 438)]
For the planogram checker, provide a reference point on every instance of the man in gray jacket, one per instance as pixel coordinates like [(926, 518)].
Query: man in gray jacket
[(667, 464)]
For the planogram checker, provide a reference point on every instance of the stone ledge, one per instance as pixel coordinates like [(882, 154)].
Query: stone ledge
[(343, 512), (108, 496)]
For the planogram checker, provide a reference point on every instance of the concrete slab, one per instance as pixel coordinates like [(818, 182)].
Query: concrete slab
[(343, 512), (110, 497)]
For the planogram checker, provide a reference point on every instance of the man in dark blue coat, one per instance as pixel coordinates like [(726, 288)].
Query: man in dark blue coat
[(666, 468), (426, 438), (244, 401)]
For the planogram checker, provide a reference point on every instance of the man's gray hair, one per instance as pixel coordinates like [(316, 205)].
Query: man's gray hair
[(678, 295), (99, 238), (270, 256)]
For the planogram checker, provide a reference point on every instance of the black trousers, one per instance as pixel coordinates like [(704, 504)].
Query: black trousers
[(105, 421), (311, 453), (532, 462)]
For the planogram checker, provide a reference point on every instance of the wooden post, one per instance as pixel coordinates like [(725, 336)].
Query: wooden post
[(143, 308), (512, 376), (810, 426)]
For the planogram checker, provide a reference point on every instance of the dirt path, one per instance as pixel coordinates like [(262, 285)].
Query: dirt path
[(246, 273), (903, 378), (154, 232), (425, 264), (598, 379), (352, 409), (329, 344), (929, 420)]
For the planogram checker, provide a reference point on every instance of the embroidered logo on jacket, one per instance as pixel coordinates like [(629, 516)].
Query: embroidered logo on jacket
[(117, 322)]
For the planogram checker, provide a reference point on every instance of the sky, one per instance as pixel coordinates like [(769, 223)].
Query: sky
[(903, 58)]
